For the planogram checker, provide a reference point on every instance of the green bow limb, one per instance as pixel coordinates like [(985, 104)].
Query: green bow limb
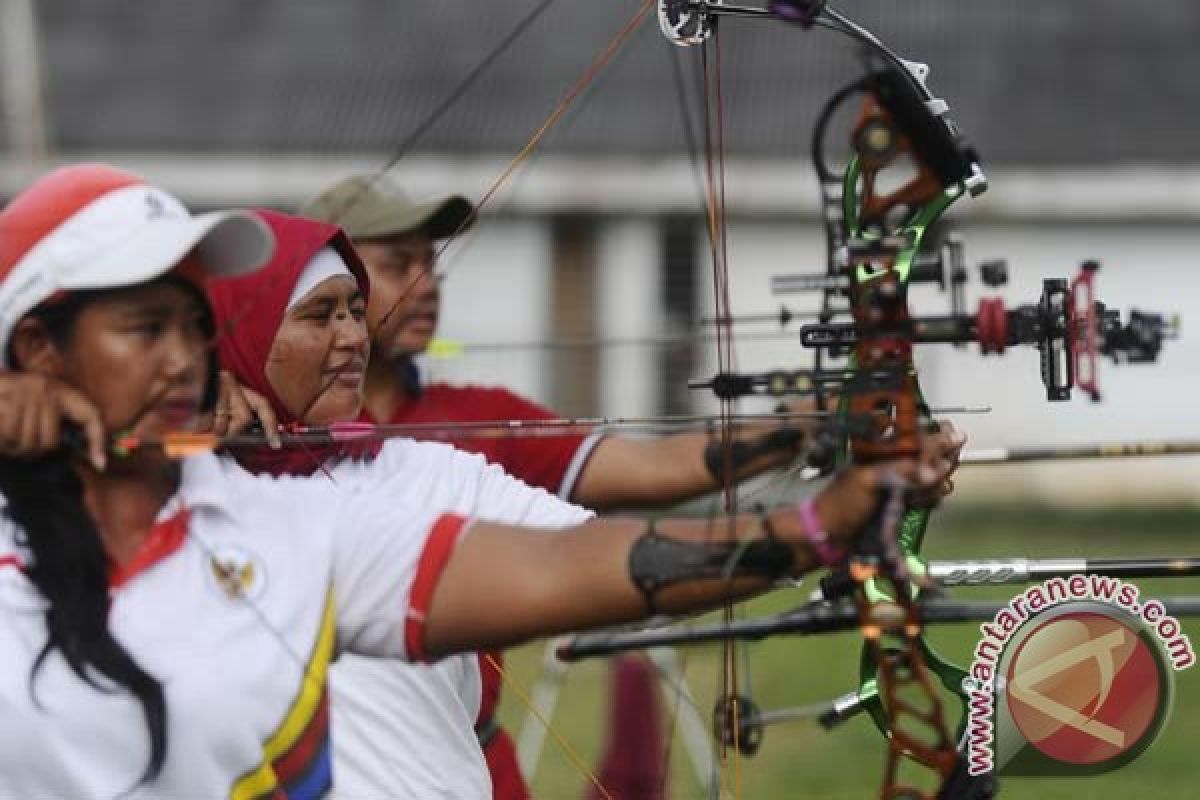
[(914, 524)]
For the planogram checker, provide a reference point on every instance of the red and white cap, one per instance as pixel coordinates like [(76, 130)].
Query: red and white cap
[(92, 226)]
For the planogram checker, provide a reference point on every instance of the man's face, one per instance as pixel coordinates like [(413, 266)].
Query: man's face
[(402, 312)]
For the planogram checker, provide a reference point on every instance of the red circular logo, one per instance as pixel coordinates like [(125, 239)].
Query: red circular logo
[(1084, 688)]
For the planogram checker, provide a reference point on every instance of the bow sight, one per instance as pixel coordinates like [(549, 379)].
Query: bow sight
[(1067, 325)]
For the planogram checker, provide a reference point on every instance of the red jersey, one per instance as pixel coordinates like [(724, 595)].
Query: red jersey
[(549, 462), (552, 463)]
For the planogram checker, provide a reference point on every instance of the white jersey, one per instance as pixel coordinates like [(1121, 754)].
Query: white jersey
[(239, 600), (408, 731)]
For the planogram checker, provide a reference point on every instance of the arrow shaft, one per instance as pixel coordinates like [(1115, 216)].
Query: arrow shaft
[(1004, 571), (1021, 455), (813, 618)]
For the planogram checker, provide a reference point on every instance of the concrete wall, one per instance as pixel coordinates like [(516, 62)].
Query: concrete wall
[(497, 289)]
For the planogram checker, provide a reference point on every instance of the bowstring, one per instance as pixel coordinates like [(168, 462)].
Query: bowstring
[(714, 146), (576, 89), (736, 657), (686, 118)]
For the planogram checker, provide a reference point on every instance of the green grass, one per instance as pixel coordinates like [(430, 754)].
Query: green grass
[(798, 759)]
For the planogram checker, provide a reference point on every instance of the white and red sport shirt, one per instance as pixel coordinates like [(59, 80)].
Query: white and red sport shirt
[(404, 730), (244, 593), (554, 463)]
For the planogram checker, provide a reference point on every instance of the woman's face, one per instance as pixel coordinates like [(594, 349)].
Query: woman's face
[(141, 355), (318, 360)]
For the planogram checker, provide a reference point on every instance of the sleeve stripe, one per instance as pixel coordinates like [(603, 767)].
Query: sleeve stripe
[(434, 557), (583, 454)]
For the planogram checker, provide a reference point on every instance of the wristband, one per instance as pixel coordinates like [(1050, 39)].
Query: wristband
[(827, 553)]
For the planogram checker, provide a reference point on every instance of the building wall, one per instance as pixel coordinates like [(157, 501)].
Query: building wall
[(496, 289)]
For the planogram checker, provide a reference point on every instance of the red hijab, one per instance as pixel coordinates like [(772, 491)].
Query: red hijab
[(249, 310)]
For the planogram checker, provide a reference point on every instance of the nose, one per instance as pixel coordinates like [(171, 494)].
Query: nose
[(423, 284), (350, 333), (185, 354)]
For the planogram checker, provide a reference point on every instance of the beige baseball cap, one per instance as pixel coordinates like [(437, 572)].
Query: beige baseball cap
[(374, 206)]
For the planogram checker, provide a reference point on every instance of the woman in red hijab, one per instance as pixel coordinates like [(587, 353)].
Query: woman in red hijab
[(295, 333)]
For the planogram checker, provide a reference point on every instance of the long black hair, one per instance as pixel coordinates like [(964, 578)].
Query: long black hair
[(69, 565)]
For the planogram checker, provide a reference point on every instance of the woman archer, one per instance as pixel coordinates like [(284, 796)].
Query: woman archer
[(167, 624), (399, 729)]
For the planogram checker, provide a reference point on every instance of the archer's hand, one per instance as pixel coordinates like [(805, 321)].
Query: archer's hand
[(850, 500), (33, 411), (940, 453), (237, 408)]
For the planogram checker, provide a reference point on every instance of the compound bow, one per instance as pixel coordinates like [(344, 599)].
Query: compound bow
[(874, 240)]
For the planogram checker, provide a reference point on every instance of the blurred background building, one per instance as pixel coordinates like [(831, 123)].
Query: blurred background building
[(585, 283)]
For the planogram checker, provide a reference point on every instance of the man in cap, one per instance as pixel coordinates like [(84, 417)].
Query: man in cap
[(397, 239)]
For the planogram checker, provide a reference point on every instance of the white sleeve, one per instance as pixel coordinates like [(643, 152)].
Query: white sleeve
[(388, 559), (510, 501)]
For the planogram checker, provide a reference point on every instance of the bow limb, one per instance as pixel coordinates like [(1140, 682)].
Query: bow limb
[(896, 665), (914, 525)]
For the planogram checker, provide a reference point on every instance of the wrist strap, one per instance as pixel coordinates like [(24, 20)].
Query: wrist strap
[(827, 553)]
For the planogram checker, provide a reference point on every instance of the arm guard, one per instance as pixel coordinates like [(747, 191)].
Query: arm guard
[(657, 562), (743, 452)]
